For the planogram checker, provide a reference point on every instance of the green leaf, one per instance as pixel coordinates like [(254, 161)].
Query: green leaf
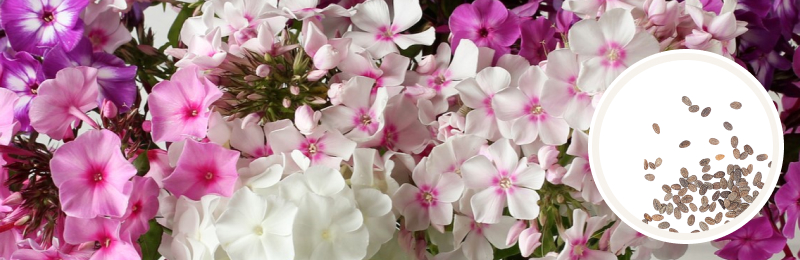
[(142, 164), (150, 241), (175, 29), (506, 253)]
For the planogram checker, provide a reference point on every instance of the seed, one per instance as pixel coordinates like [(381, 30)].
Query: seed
[(658, 217), (713, 141), (703, 208), (706, 168), (736, 153), (684, 172), (666, 188), (645, 164), (669, 208), (734, 141), (710, 221), (769, 164), (727, 126), (761, 157), (649, 177), (667, 196), (748, 198), (725, 194), (731, 214), (656, 205), (703, 189), (693, 206), (726, 203), (716, 186), (683, 182), (755, 194), (678, 214), (652, 165), (715, 196), (676, 186), (676, 199), (703, 226), (684, 144), (748, 149), (750, 167), (663, 225), (686, 100), (721, 203), (692, 178), (757, 178), (695, 231), (647, 217), (694, 108), (719, 157), (730, 168), (656, 128), (687, 199), (719, 174), (690, 220), (704, 161), (673, 230), (718, 217), (706, 112), (692, 187), (707, 177), (704, 200), (713, 206), (683, 191), (658, 161), (743, 156), (736, 105), (723, 183), (645, 221), (662, 208)]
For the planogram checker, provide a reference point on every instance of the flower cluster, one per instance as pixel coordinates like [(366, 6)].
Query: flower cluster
[(352, 129)]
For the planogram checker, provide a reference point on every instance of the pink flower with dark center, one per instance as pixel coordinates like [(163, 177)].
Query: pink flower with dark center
[(180, 106), (142, 206), (92, 175), (64, 100), (203, 168), (756, 240), (577, 238), (107, 33), (488, 23), (105, 235)]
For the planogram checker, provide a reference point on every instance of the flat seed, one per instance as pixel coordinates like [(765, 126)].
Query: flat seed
[(723, 183), (645, 221), (710, 221), (715, 196), (663, 225), (706, 112), (743, 156), (719, 157), (725, 194), (748, 149), (686, 101), (676, 186), (731, 214), (736, 153), (748, 198), (706, 168), (662, 209), (755, 194), (727, 126), (673, 230), (692, 179), (658, 161), (726, 203), (757, 178), (690, 220), (670, 208), (666, 188), (683, 182), (750, 167), (692, 187), (718, 217), (684, 172), (647, 217), (719, 174), (734, 141), (677, 214), (694, 108), (761, 157), (693, 207), (645, 164), (703, 208), (652, 165), (713, 141), (656, 128), (736, 105), (717, 186), (703, 190), (684, 144), (667, 196), (676, 199), (704, 200), (730, 168), (713, 206), (658, 217), (649, 177), (769, 164), (707, 177), (687, 199), (721, 203), (703, 226), (695, 231), (656, 205), (682, 192), (704, 161)]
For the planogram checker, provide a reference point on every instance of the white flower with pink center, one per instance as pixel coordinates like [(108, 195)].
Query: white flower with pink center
[(529, 116), (357, 117), (477, 94), (577, 238), (561, 91), (579, 174), (323, 146), (505, 180), (478, 237), (379, 35), (608, 46), (430, 201)]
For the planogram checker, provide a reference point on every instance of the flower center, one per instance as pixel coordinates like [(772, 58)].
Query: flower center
[(107, 242), (483, 32), (209, 175), (312, 149), (366, 120), (258, 230), (537, 110), (440, 80), (194, 112), (505, 183), (48, 16), (327, 235), (427, 197), (612, 54), (388, 34), (578, 250), (97, 177)]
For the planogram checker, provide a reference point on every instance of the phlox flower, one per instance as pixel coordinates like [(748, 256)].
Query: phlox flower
[(160, 166), (304, 9), (505, 180), (450, 156), (205, 51), (37, 253), (142, 207), (193, 229), (180, 106), (488, 23), (21, 74), (379, 220), (402, 129), (787, 199), (358, 116), (625, 236), (326, 53), (107, 32), (477, 93), (391, 73), (429, 203), (450, 124), (538, 37), (64, 100), (257, 227), (254, 140), (371, 171), (92, 175), (714, 32), (593, 8), (561, 92), (756, 240), (103, 232), (322, 146), (329, 228), (577, 237), (476, 237), (319, 180), (607, 47), (437, 78), (379, 35), (530, 117), (115, 78), (203, 168), (35, 26), (8, 126), (579, 174)]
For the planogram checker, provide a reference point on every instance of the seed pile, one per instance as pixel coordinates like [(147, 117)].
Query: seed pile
[(725, 189)]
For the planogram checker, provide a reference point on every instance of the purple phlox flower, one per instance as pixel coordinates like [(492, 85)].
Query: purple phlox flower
[(538, 39), (760, 47), (788, 199), (21, 74), (756, 240), (488, 23), (787, 12), (116, 79), (37, 25)]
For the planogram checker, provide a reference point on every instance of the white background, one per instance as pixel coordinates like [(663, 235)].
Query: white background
[(160, 21)]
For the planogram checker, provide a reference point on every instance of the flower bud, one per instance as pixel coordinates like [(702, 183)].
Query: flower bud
[(294, 89), (109, 110), (315, 75), (263, 70), (147, 126), (287, 102)]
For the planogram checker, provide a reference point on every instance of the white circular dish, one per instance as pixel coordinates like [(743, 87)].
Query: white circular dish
[(651, 91)]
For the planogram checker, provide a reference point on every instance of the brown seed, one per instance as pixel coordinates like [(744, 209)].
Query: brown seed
[(658, 217), (666, 188), (682, 192), (663, 225), (719, 157), (695, 231), (658, 161), (645, 164), (743, 156), (750, 167), (649, 177), (755, 194), (676, 186), (725, 194), (769, 164), (757, 178), (703, 208), (736, 105), (710, 221), (706, 112), (731, 214), (719, 174), (761, 157), (652, 165), (704, 161), (748, 149), (723, 183), (686, 100), (667, 196), (715, 196), (673, 230), (730, 168), (677, 214), (734, 141), (713, 206), (718, 217), (706, 168), (693, 206), (692, 187), (683, 182), (692, 179), (656, 205), (662, 209), (694, 108), (736, 153), (687, 199), (676, 199), (704, 200), (684, 144), (647, 217), (717, 186), (684, 172), (703, 189), (690, 220), (703, 226), (748, 198), (670, 208), (707, 177), (727, 126), (713, 141), (645, 221), (656, 128)]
